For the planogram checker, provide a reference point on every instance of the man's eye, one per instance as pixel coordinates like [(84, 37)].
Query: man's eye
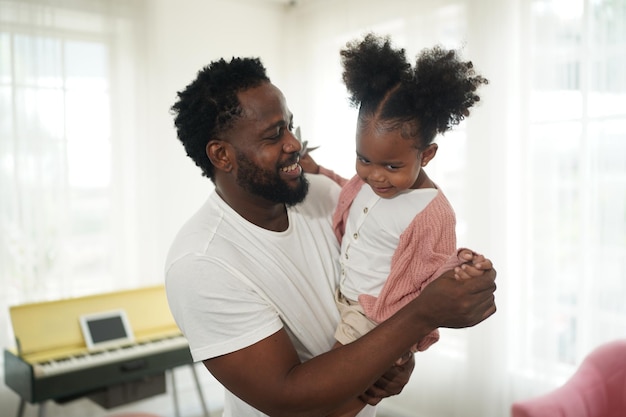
[(362, 160), (277, 135), (392, 167)]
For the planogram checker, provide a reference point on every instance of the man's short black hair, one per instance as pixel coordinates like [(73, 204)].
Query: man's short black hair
[(209, 105)]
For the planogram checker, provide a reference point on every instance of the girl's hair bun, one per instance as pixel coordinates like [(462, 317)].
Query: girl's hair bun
[(372, 67)]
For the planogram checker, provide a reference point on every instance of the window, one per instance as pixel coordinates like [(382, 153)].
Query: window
[(59, 63), (576, 170)]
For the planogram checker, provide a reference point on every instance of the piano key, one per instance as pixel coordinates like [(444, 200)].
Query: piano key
[(73, 363)]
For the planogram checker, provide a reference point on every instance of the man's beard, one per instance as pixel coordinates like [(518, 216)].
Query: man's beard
[(268, 184)]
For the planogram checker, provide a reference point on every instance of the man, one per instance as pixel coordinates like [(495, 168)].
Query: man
[(251, 276)]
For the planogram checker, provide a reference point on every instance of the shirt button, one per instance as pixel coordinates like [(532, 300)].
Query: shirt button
[(365, 210), (355, 236), (346, 255)]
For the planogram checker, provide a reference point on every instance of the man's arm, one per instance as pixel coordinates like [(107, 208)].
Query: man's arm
[(269, 375)]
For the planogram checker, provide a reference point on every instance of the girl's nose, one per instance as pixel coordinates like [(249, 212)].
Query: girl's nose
[(375, 174)]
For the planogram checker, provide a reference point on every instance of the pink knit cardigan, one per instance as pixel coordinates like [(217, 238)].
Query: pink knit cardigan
[(426, 249)]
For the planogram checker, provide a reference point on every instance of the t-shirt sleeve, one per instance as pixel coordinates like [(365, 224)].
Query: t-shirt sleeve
[(217, 312), (323, 195)]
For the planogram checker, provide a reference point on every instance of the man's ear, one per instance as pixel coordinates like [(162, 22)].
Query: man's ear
[(220, 154), (429, 153)]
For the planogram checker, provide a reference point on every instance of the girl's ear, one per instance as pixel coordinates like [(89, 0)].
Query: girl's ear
[(429, 153), (219, 153)]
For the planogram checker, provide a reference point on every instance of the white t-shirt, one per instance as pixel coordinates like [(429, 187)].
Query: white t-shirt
[(231, 284), (373, 230)]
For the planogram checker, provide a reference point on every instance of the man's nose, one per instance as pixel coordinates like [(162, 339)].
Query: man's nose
[(292, 144)]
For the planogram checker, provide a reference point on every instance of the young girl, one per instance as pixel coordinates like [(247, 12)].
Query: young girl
[(396, 227)]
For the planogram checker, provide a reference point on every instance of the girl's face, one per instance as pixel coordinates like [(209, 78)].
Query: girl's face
[(386, 161)]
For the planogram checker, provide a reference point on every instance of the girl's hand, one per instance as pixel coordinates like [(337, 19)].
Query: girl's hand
[(475, 265)]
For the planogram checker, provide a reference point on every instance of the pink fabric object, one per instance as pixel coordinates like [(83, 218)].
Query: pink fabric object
[(597, 389)]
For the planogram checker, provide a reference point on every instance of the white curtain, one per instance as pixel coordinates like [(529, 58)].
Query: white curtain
[(537, 175), (66, 104)]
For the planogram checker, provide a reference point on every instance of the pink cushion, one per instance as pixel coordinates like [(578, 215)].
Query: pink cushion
[(597, 389)]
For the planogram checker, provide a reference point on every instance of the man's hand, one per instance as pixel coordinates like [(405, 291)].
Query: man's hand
[(392, 382), (457, 303)]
